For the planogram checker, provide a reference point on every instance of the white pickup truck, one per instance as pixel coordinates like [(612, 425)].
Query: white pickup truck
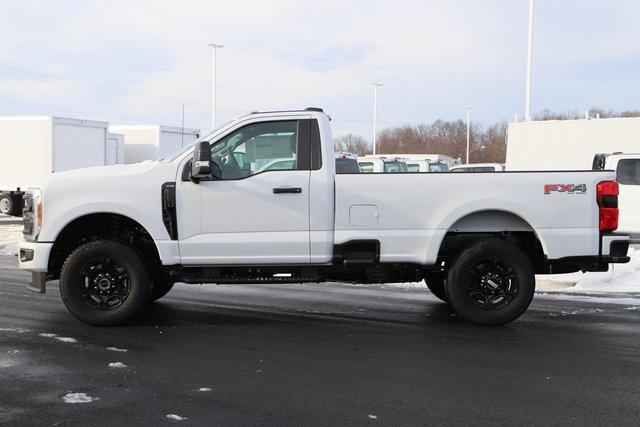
[(118, 237)]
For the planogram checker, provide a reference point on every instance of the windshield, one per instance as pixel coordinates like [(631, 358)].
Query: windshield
[(395, 167), (438, 167), (366, 167)]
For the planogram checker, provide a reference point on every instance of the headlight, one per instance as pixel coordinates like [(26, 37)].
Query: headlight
[(32, 214)]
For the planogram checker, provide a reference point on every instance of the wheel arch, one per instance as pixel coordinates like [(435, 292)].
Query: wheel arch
[(479, 223), (100, 225)]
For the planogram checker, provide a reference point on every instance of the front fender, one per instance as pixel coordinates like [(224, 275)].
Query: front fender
[(61, 218)]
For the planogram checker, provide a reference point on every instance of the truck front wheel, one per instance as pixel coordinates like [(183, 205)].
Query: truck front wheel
[(491, 282), (104, 283)]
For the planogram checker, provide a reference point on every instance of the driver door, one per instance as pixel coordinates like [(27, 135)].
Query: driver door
[(255, 209)]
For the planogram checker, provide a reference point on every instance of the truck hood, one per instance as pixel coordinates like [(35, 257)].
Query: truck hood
[(107, 175)]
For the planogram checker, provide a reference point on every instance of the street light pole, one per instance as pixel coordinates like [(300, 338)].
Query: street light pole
[(527, 101), (468, 131), (215, 47), (375, 113)]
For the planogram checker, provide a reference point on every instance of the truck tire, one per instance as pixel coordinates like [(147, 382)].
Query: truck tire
[(491, 282), (436, 284), (104, 283), (6, 204), (162, 284)]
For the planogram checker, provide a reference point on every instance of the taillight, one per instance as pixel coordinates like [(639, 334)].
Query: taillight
[(607, 195)]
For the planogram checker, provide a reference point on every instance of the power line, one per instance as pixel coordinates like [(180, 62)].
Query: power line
[(111, 89), (80, 114)]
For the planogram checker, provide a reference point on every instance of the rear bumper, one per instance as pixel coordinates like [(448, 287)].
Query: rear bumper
[(613, 250), (615, 247)]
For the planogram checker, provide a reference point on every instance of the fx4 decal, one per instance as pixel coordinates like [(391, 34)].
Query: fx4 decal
[(565, 188)]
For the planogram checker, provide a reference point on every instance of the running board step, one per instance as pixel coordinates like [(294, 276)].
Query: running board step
[(240, 275), (248, 280)]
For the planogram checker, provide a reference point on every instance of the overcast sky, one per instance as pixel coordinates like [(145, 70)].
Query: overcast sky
[(138, 61)]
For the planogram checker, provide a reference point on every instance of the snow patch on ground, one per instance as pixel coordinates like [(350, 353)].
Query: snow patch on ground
[(204, 389), (7, 363), (619, 278), (121, 350), (7, 219), (10, 235), (175, 417), (47, 335), (372, 417), (66, 339), (592, 299), (406, 286), (17, 330), (117, 365), (78, 398)]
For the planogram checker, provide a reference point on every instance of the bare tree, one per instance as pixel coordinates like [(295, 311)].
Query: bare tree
[(593, 112), (449, 137), (352, 144)]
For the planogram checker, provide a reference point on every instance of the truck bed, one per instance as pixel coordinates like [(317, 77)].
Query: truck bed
[(411, 213)]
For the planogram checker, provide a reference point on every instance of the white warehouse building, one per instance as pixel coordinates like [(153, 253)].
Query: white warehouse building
[(569, 144), (153, 142)]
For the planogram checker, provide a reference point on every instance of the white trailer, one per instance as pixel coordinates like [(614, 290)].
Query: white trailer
[(153, 142), (32, 147), (568, 144), (115, 149)]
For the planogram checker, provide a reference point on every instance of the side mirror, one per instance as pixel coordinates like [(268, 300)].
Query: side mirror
[(201, 162)]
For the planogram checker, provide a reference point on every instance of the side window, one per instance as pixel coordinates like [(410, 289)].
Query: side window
[(257, 148), (628, 172)]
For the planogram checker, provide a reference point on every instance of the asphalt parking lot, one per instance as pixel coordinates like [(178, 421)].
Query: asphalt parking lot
[(314, 355)]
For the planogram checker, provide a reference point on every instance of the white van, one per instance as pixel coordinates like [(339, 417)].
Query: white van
[(479, 167), (431, 158), (426, 166), (382, 164)]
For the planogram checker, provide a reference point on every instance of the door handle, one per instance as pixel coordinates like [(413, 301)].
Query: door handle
[(283, 190)]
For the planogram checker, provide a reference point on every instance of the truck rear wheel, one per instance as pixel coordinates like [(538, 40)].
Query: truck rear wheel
[(491, 282), (104, 283)]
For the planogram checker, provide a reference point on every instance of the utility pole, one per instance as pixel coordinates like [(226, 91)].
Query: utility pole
[(182, 129), (375, 113), (527, 102), (468, 131), (215, 47)]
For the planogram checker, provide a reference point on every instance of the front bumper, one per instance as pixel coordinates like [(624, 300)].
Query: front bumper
[(34, 257)]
